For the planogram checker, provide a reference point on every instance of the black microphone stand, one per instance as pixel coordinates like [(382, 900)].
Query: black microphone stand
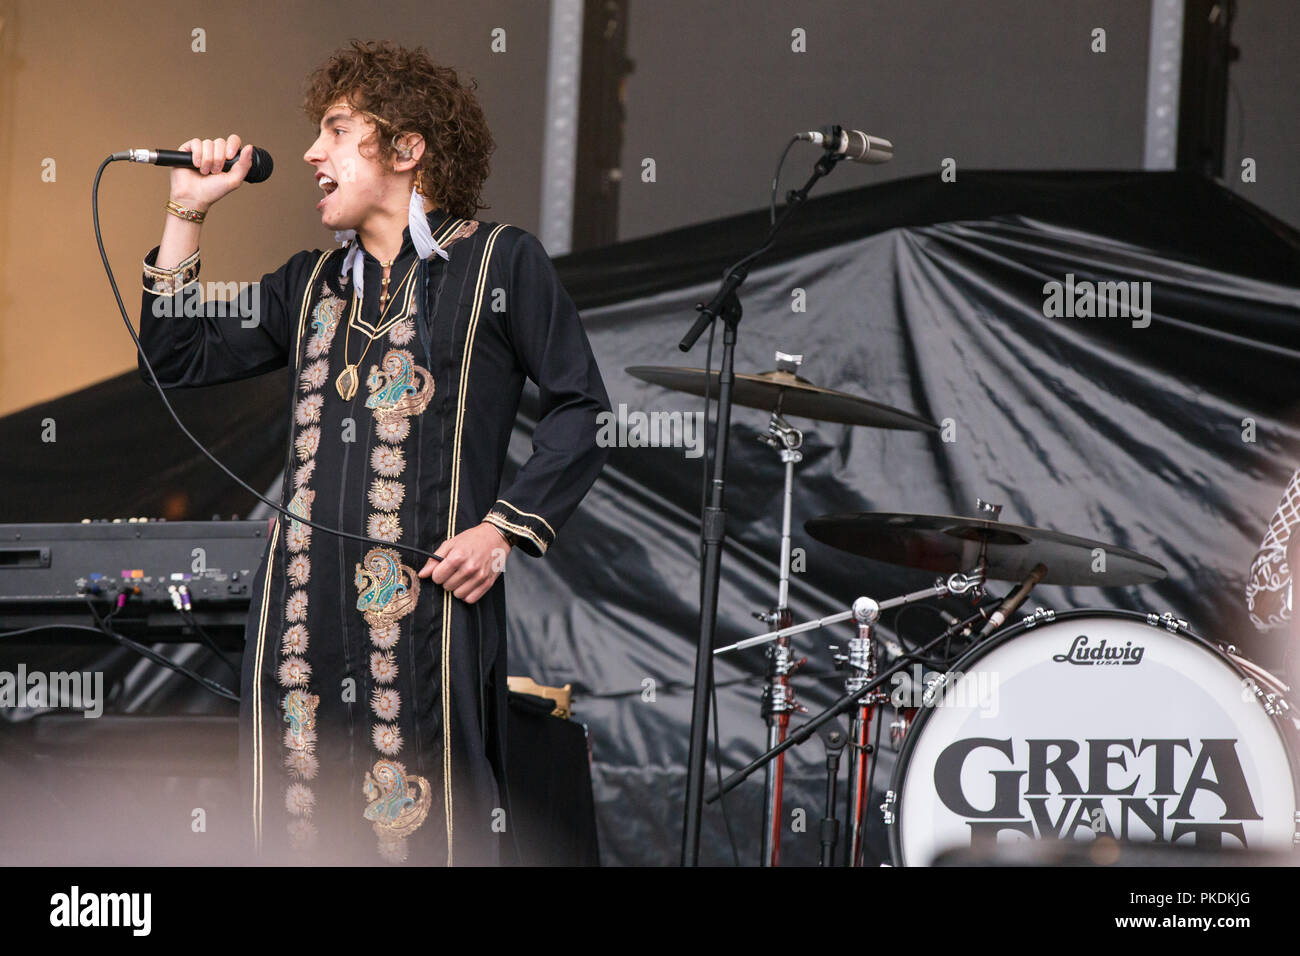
[(726, 306), (830, 826)]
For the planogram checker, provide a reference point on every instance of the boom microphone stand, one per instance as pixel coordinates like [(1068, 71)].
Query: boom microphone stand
[(725, 304)]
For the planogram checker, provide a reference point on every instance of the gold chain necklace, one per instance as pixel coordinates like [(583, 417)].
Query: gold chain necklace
[(347, 381)]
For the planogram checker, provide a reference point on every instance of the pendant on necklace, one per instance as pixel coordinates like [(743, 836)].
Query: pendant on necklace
[(346, 383)]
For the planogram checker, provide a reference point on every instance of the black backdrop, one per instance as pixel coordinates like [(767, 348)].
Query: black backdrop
[(922, 294)]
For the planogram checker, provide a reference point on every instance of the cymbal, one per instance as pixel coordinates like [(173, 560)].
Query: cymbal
[(788, 394), (947, 544)]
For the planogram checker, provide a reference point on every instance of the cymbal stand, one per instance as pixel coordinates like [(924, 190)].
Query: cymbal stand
[(778, 695)]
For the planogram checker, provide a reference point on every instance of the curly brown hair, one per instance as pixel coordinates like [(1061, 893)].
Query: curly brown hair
[(404, 91)]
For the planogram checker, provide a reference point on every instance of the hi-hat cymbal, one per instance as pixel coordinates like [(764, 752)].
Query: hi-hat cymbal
[(788, 394), (947, 544)]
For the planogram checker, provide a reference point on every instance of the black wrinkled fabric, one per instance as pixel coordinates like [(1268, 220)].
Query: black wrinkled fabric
[(921, 294)]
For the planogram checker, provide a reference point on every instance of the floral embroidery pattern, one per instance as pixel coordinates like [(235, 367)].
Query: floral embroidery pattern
[(402, 332), (294, 672), (397, 803)]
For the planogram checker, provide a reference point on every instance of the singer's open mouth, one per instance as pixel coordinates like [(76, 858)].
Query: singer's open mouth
[(328, 184)]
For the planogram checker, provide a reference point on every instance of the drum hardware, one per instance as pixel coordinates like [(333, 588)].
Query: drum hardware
[(846, 702), (1167, 620), (1041, 615), (780, 392), (1257, 679), (775, 707), (887, 808), (778, 699), (834, 742), (899, 725), (955, 584), (860, 661), (932, 689)]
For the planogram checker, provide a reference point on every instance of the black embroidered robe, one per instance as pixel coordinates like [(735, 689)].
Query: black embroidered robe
[(373, 702)]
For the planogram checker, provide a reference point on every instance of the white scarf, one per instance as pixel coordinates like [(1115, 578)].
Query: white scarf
[(421, 238)]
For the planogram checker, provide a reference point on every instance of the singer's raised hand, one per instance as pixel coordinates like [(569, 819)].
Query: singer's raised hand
[(200, 187)]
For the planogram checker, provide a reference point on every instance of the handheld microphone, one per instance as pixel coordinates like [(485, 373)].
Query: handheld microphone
[(1013, 600), (259, 172), (852, 144)]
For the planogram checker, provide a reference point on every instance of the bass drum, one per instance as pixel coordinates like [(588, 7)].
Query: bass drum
[(1095, 722)]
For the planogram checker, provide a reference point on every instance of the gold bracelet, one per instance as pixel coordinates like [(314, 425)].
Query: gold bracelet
[(181, 212)]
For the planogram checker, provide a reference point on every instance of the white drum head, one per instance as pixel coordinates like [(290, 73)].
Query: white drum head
[(1094, 725)]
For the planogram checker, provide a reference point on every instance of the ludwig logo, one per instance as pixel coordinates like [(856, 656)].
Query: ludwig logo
[(1100, 653)]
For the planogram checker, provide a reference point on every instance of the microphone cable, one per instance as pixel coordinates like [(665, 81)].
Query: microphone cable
[(108, 269)]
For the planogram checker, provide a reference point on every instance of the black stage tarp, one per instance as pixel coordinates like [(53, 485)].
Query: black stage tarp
[(1174, 439)]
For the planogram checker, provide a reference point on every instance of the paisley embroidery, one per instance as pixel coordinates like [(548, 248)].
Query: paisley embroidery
[(300, 505), (388, 589), (325, 317), (300, 715), (397, 805), (398, 387)]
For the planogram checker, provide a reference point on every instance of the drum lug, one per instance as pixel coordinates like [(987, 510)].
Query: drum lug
[(1295, 833), (898, 729), (932, 689), (887, 813), (1167, 620), (1041, 615), (1274, 705)]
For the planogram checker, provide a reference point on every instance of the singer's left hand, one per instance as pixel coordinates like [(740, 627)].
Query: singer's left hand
[(471, 562)]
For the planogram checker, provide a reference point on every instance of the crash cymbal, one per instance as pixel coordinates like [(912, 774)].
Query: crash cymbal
[(788, 394), (947, 544)]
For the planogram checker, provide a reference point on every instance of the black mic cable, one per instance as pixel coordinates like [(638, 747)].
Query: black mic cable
[(99, 241)]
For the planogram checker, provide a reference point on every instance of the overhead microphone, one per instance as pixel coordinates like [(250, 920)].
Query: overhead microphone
[(1013, 600), (852, 144), (260, 171)]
